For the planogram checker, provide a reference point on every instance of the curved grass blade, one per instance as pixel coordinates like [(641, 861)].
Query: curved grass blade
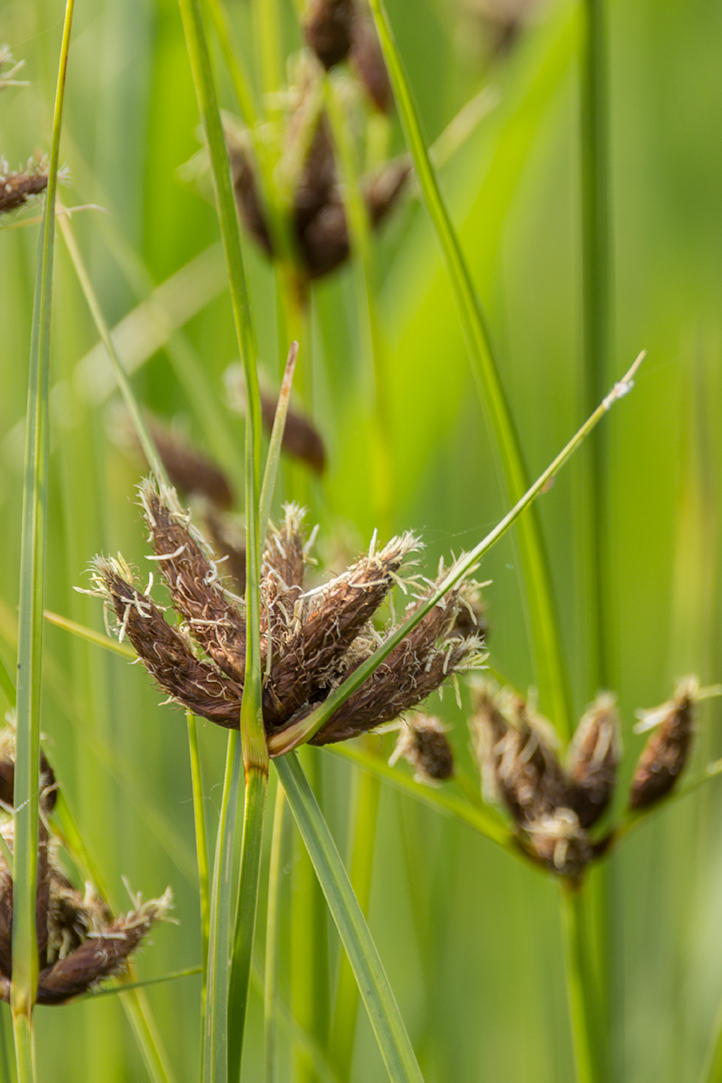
[(484, 820), (89, 635), (282, 742), (396, 1049), (32, 590), (549, 663)]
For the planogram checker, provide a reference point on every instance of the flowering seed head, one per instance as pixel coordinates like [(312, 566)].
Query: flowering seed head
[(665, 754), (560, 842), (593, 761), (79, 943), (519, 763), (311, 640), (327, 28), (368, 61), (423, 742), (318, 226), (166, 653), (17, 188), (187, 565)]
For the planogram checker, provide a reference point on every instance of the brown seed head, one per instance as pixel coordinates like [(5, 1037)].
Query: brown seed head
[(327, 28), (17, 188), (187, 565), (423, 742), (559, 842), (412, 671), (368, 60), (79, 942), (593, 760), (248, 198), (515, 748), (311, 640), (166, 653), (665, 753)]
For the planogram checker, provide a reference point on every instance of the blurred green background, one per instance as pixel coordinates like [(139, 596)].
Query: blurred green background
[(471, 940)]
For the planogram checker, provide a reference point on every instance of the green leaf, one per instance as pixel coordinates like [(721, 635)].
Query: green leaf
[(394, 1043)]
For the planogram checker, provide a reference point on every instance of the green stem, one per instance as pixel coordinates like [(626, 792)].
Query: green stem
[(201, 841), (303, 730), (215, 1024), (596, 302), (24, 1048), (271, 960), (580, 987), (30, 634), (256, 786), (549, 665), (310, 976), (597, 316), (364, 808), (252, 735), (384, 1016)]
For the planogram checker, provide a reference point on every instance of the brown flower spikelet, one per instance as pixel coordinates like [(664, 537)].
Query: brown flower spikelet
[(318, 217), (311, 640), (17, 188), (423, 742), (665, 753), (327, 29), (79, 943), (594, 759), (518, 762), (185, 562), (165, 652), (368, 60)]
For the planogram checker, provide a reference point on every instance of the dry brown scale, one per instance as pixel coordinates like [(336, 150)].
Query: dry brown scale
[(80, 943), (311, 640), (555, 807)]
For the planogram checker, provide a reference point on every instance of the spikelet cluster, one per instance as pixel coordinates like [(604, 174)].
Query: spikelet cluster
[(311, 640), (80, 943), (555, 806)]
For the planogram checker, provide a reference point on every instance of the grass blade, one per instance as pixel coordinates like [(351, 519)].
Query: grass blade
[(215, 1020), (252, 736), (383, 1012), (303, 730), (32, 591), (549, 664), (579, 985), (201, 842)]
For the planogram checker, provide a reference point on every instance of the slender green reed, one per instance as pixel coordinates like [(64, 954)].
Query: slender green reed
[(223, 1050), (201, 841), (30, 633), (272, 928), (580, 986), (597, 343)]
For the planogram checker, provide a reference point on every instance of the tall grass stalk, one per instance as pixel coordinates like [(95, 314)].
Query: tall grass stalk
[(549, 664), (32, 594), (225, 1055), (580, 986), (597, 292), (201, 842), (272, 937)]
